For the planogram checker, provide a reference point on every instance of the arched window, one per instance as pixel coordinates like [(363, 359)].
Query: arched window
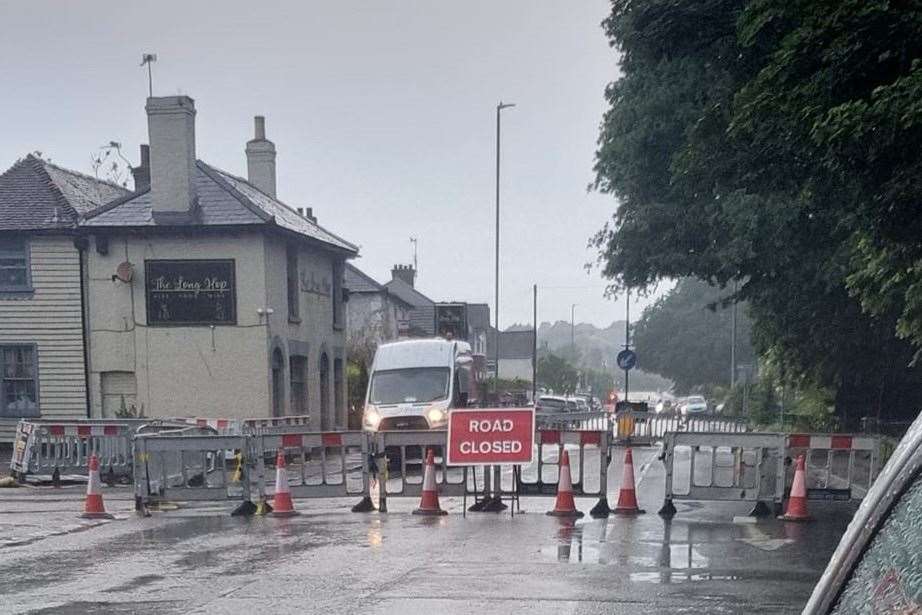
[(278, 383), (325, 422)]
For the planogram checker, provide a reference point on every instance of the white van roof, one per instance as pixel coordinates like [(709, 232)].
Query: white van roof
[(419, 353)]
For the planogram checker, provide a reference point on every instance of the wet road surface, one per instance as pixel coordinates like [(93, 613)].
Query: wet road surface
[(327, 560)]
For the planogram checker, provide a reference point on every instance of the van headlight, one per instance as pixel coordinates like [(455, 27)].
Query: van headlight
[(435, 415), (371, 419)]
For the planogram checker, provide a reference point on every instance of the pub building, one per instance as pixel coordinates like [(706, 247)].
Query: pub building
[(206, 295)]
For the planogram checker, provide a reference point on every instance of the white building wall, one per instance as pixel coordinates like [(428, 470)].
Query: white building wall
[(314, 333), (219, 371)]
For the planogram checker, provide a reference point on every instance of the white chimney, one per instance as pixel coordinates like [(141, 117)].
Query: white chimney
[(171, 124), (261, 159)]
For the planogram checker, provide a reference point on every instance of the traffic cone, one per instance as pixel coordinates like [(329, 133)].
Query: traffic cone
[(797, 501), (282, 505), (429, 502), (565, 506), (627, 497), (93, 507)]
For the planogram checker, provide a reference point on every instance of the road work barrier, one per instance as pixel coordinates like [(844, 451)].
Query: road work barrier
[(837, 466), (183, 465), (644, 428), (731, 467), (319, 464), (52, 450), (587, 450)]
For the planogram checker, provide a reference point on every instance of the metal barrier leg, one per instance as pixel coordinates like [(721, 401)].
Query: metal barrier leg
[(369, 469), (667, 510), (479, 505), (601, 508)]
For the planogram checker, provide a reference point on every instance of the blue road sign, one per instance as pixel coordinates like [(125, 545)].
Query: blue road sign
[(627, 359)]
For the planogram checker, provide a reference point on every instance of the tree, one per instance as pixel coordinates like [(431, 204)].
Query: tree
[(721, 146), (557, 374), (686, 336)]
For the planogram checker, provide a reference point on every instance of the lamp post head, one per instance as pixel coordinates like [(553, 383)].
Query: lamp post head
[(503, 105)]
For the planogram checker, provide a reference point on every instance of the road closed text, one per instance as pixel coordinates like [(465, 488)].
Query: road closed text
[(484, 436)]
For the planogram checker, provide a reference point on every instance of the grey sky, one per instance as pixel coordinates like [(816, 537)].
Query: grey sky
[(382, 113)]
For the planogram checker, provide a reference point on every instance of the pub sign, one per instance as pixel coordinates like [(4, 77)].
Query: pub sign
[(190, 292)]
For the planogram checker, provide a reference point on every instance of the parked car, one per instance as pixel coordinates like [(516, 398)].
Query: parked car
[(694, 404), (877, 567)]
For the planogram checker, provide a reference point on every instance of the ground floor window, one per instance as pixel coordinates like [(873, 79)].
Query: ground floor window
[(19, 368), (298, 368)]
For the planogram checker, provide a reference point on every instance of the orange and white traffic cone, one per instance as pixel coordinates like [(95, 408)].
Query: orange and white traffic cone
[(564, 506), (282, 505), (93, 507), (429, 502), (627, 497), (797, 501)]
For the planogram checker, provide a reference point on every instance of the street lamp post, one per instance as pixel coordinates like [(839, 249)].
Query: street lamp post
[(572, 331), (499, 109)]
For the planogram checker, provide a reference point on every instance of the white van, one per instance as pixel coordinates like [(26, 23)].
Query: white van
[(414, 383)]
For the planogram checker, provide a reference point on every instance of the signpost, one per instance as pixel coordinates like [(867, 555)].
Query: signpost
[(491, 436), (627, 359)]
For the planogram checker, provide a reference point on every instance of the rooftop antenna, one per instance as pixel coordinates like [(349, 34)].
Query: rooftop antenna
[(415, 263), (148, 59)]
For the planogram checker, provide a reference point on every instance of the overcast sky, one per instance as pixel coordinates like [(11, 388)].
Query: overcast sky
[(383, 114)]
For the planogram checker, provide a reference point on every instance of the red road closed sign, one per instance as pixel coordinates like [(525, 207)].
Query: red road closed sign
[(483, 436)]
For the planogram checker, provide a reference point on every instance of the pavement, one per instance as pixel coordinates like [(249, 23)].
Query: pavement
[(198, 559)]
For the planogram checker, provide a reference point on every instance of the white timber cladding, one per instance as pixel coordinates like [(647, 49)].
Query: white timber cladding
[(50, 318)]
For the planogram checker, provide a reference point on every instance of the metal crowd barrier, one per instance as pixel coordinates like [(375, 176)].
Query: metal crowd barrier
[(183, 465), (838, 466), (50, 450), (575, 421), (644, 428), (732, 467)]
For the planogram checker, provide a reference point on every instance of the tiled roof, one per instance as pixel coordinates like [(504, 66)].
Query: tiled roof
[(407, 293), (35, 194), (359, 282), (223, 200)]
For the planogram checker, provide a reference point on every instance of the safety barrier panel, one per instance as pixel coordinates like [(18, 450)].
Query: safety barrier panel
[(736, 467), (180, 465), (574, 421), (587, 449), (51, 449), (641, 428), (321, 464), (401, 457), (838, 466)]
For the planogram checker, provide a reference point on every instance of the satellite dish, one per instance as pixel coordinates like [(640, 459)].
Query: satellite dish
[(125, 272)]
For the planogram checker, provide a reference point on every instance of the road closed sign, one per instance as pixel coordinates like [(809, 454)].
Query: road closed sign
[(484, 436)]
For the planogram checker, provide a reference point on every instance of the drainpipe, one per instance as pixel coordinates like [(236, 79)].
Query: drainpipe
[(81, 243)]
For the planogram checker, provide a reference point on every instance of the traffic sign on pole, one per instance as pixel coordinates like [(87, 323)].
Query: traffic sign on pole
[(627, 359)]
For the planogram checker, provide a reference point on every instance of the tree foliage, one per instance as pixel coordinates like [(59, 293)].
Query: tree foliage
[(686, 336), (557, 373), (777, 143)]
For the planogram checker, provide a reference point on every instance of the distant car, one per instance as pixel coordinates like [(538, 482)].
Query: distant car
[(581, 404), (694, 404), (876, 567), (551, 404), (664, 406)]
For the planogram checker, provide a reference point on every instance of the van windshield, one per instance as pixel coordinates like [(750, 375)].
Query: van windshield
[(409, 385)]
